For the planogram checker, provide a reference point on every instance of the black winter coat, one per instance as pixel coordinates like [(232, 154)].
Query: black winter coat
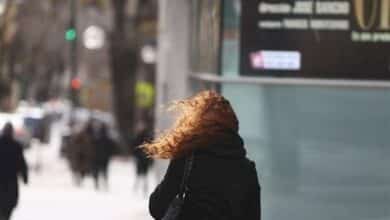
[(12, 164), (223, 185)]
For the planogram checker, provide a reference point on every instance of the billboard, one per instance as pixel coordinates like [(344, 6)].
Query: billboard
[(326, 39)]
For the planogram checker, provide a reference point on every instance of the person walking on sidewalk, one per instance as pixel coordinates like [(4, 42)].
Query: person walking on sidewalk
[(221, 183), (105, 147), (143, 163), (12, 164)]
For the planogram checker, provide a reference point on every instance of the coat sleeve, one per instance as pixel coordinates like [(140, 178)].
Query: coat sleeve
[(22, 165), (167, 189)]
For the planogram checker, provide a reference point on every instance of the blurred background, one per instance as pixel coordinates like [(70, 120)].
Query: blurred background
[(307, 79), (77, 81)]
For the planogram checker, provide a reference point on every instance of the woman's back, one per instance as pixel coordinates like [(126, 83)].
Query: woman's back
[(222, 185)]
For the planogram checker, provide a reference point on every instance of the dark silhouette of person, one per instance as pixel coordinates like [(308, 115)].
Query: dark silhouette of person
[(12, 165), (104, 150), (80, 152), (142, 161)]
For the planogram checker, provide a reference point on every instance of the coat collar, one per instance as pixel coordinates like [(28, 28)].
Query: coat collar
[(228, 145)]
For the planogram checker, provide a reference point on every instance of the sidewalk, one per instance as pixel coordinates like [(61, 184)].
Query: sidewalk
[(52, 195)]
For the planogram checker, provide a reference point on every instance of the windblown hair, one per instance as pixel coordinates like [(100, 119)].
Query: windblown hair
[(201, 120)]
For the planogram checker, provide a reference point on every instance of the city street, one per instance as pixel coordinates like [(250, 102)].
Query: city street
[(127, 91), (51, 193)]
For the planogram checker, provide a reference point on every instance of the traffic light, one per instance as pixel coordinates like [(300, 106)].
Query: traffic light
[(70, 34), (75, 91), (76, 83)]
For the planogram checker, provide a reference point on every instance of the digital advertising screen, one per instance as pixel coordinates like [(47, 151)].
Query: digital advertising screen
[(325, 39)]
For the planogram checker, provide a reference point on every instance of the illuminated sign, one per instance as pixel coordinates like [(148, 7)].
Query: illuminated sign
[(338, 39)]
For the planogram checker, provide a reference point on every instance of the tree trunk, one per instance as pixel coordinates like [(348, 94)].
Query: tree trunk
[(123, 55), (5, 82)]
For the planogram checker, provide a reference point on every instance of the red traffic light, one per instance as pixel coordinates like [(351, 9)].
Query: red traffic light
[(76, 83)]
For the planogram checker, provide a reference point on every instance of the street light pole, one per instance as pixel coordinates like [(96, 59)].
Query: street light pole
[(71, 35)]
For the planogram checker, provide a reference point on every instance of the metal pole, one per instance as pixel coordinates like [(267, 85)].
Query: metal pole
[(73, 62)]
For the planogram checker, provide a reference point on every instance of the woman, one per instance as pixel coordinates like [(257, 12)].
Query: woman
[(223, 182)]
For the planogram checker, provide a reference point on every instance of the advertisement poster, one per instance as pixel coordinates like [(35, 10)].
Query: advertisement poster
[(327, 39)]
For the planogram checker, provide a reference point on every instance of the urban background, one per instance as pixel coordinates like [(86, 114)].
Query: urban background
[(308, 79), (76, 75)]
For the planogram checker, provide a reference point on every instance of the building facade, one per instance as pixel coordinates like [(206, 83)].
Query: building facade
[(320, 141)]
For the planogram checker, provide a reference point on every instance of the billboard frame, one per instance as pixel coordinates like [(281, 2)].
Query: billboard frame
[(340, 83)]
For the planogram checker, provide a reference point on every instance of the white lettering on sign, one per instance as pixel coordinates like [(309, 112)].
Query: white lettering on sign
[(270, 24), (303, 7), (333, 7), (296, 23), (274, 8), (329, 24), (276, 60)]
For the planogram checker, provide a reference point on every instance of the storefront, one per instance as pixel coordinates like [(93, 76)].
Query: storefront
[(310, 83)]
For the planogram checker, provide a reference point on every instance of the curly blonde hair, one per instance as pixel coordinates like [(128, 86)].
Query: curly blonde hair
[(202, 118)]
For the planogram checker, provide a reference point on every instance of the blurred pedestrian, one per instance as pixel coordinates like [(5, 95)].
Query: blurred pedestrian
[(209, 176), (12, 165), (143, 163), (81, 153), (105, 147)]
